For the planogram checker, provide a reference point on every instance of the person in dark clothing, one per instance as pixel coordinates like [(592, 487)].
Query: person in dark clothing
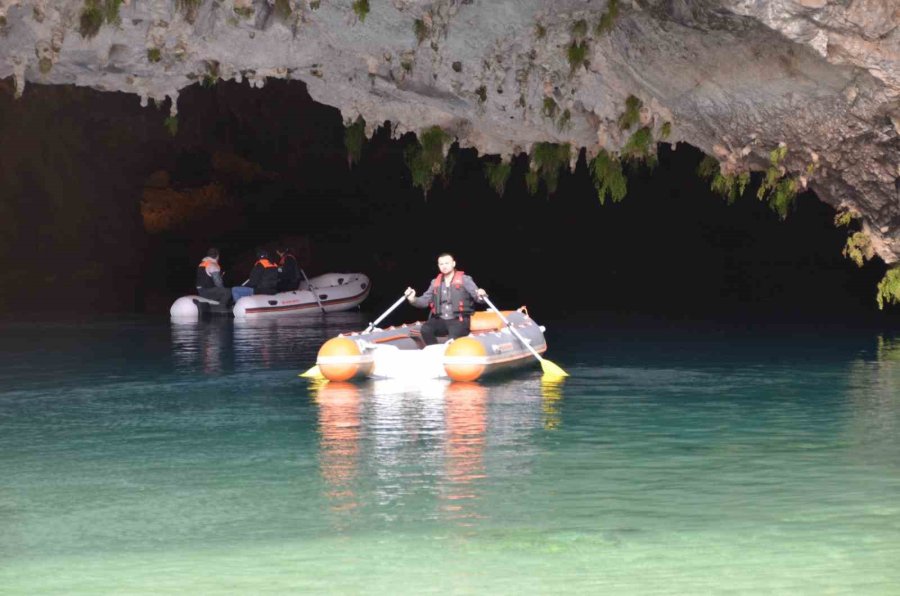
[(288, 270), (264, 275), (209, 279), (451, 298)]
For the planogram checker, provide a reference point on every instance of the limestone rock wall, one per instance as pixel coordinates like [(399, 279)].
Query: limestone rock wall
[(733, 77)]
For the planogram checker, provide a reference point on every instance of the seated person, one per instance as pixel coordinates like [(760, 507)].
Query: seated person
[(263, 277), (450, 298), (288, 270), (209, 279)]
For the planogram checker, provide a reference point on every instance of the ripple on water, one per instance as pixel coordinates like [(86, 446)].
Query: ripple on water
[(146, 456)]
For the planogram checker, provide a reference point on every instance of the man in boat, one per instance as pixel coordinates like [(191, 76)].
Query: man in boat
[(451, 298), (288, 270), (209, 279), (264, 275)]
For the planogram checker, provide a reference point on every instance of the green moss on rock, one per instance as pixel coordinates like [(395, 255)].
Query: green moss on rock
[(608, 18), (576, 54), (90, 20), (421, 31), (549, 107), (665, 131), (361, 9), (283, 9), (579, 29), (632, 113)]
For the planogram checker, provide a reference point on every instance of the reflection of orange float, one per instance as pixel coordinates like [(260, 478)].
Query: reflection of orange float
[(339, 431), (399, 352)]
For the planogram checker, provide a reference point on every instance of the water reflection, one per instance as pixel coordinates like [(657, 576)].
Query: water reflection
[(222, 344), (428, 441), (874, 391), (201, 346), (339, 432), (551, 394), (466, 422)]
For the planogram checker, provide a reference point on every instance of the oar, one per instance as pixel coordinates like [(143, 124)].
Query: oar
[(315, 373), (313, 290), (549, 368), (386, 313)]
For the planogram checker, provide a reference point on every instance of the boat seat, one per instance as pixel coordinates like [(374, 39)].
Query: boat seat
[(488, 320), (416, 336)]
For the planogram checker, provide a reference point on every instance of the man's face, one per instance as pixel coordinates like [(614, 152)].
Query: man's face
[(446, 265)]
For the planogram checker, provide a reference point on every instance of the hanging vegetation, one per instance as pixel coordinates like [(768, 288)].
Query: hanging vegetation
[(859, 248), (730, 187), (889, 288), (497, 173), (546, 161), (609, 180), (95, 13), (354, 139), (426, 158), (776, 188)]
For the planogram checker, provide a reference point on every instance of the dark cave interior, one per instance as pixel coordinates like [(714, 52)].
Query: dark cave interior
[(264, 166)]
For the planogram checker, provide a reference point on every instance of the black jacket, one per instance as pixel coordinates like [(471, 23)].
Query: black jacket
[(264, 277), (288, 273)]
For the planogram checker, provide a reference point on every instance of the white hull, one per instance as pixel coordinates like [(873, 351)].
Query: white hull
[(399, 353), (336, 292)]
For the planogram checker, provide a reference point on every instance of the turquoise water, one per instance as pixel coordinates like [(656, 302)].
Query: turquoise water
[(140, 457)]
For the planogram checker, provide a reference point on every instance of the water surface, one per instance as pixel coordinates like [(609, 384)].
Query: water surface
[(138, 456)]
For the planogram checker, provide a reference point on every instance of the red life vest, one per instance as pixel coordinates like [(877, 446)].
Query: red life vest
[(459, 293)]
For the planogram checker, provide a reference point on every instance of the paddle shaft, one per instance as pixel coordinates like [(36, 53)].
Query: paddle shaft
[(511, 328), (386, 313), (312, 289)]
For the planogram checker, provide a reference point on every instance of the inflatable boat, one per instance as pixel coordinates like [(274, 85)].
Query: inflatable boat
[(330, 292), (495, 343)]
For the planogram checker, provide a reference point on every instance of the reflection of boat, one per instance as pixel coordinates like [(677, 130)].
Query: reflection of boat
[(339, 431), (201, 348), (399, 352), (381, 436), (330, 292)]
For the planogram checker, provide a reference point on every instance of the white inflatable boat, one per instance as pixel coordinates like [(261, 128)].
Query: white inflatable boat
[(497, 342), (330, 292)]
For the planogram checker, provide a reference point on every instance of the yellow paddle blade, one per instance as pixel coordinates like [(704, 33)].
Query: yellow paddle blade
[(552, 370), (313, 373)]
